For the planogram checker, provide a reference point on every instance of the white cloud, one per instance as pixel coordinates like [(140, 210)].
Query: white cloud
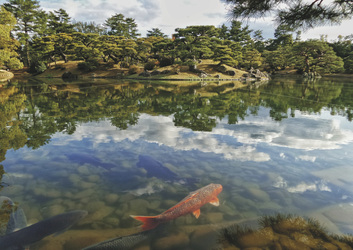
[(304, 187), (161, 130), (304, 132)]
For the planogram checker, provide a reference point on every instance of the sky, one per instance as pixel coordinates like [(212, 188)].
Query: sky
[(170, 14)]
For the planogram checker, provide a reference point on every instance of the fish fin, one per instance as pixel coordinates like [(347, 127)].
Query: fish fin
[(196, 213), (149, 222), (215, 202)]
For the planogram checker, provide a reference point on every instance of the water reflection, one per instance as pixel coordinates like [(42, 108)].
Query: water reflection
[(283, 146)]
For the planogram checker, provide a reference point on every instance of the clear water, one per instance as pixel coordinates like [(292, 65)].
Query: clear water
[(281, 147)]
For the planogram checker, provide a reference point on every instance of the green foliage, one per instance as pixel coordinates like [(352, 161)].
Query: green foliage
[(88, 66), (150, 64), (59, 22), (37, 67), (134, 69), (295, 14), (120, 26), (348, 63), (316, 56), (156, 32)]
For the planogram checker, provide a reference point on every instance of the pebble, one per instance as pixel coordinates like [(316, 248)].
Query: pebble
[(174, 241), (111, 198)]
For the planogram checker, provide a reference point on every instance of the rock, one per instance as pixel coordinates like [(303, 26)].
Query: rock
[(203, 238), (100, 213), (174, 241), (138, 206), (111, 198), (215, 217), (258, 194), (260, 238), (307, 240), (287, 243), (53, 210), (230, 72)]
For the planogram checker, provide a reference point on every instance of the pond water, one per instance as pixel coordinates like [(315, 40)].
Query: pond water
[(116, 149)]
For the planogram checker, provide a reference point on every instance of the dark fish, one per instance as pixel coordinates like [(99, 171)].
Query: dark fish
[(89, 159), (121, 243), (31, 234), (156, 169)]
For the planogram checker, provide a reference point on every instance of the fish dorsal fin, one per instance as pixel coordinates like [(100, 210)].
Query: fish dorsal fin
[(196, 213), (214, 202)]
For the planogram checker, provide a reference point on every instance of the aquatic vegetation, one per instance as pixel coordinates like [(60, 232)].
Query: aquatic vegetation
[(284, 231)]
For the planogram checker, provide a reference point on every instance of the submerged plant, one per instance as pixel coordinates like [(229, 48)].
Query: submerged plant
[(233, 233)]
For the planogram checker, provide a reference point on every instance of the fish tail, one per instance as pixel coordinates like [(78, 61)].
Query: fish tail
[(149, 222)]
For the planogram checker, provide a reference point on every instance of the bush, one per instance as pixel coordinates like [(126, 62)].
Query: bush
[(150, 64), (14, 63), (88, 66), (165, 61), (134, 69), (37, 67)]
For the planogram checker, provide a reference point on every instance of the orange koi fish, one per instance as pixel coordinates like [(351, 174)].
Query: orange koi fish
[(190, 204)]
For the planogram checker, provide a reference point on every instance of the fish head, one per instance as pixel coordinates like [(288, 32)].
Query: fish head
[(216, 188)]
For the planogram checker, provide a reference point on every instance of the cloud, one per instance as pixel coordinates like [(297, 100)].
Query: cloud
[(161, 130), (304, 132)]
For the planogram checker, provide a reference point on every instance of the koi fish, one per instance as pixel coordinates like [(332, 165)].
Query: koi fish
[(190, 204)]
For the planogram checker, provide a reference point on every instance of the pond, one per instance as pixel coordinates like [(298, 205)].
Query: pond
[(116, 148)]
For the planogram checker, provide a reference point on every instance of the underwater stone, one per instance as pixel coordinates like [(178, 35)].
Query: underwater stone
[(53, 210), (306, 239), (258, 194), (84, 193), (175, 241), (111, 198), (155, 204), (138, 206), (84, 184), (74, 178), (287, 243), (83, 170), (203, 238), (260, 238), (215, 217), (93, 178), (101, 213), (94, 206)]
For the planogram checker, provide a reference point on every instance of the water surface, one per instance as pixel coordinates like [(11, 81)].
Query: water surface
[(279, 147)]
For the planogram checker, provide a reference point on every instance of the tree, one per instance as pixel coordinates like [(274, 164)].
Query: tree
[(316, 55), (252, 58), (121, 26), (59, 21), (194, 42), (156, 32), (8, 45), (88, 27), (28, 15), (297, 13)]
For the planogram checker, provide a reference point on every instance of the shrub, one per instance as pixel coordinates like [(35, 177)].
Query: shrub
[(165, 61), (150, 64), (88, 66), (37, 67), (134, 69)]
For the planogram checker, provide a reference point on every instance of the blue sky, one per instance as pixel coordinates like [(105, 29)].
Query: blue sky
[(170, 14)]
